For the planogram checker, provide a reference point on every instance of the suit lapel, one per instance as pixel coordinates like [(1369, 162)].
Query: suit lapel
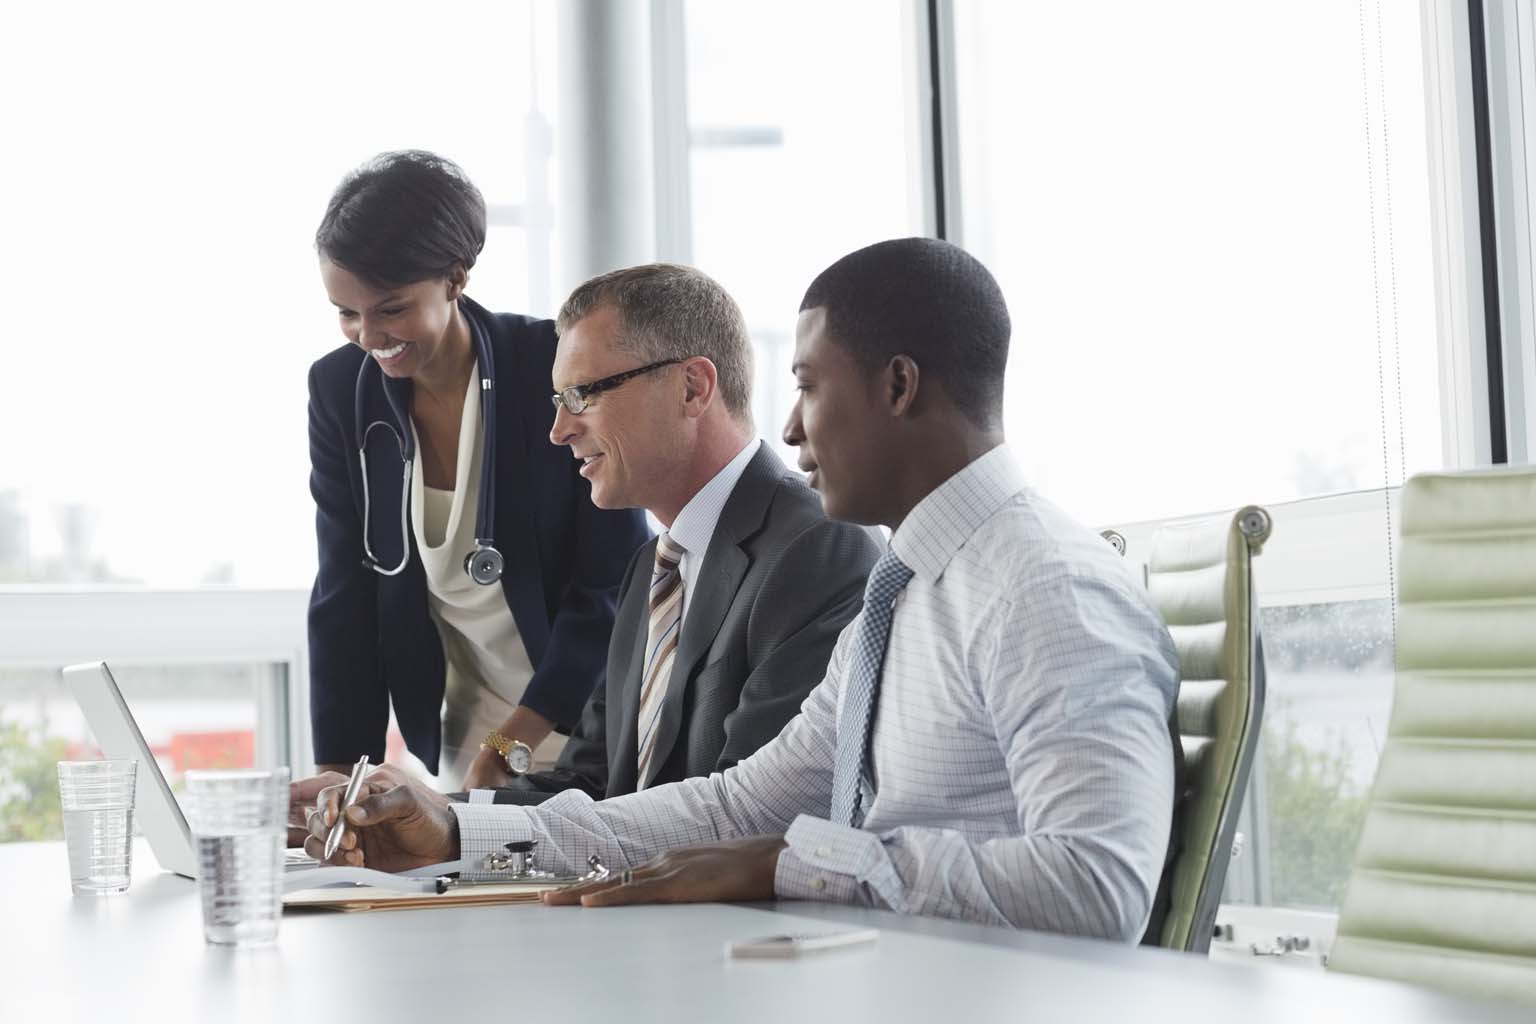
[(516, 537), (714, 590)]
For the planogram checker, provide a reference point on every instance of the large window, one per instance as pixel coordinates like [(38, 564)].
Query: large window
[(213, 678), (1330, 686), (159, 208), (801, 150), (192, 716), (167, 164), (1212, 222)]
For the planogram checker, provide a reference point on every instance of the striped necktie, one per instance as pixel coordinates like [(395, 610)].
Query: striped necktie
[(661, 634), (851, 769)]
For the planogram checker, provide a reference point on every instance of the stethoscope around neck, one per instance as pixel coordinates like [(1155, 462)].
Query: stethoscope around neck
[(484, 564)]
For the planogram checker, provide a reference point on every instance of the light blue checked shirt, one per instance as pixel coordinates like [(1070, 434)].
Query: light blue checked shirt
[(1021, 749)]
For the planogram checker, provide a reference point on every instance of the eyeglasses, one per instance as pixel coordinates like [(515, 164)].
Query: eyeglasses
[(577, 397)]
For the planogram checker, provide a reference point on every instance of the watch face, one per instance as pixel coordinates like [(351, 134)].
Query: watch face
[(519, 758)]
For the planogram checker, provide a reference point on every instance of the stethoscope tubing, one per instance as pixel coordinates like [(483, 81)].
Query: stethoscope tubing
[(484, 564)]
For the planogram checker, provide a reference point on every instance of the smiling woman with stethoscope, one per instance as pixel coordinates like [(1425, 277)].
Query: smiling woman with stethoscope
[(465, 576)]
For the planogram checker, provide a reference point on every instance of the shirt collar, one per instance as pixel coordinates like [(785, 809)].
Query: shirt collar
[(695, 524), (940, 524)]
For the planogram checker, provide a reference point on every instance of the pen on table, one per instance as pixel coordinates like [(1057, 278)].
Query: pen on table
[(355, 783)]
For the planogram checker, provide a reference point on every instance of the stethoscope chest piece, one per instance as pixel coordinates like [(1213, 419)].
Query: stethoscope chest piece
[(484, 564)]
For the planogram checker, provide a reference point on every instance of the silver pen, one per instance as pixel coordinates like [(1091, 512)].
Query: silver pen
[(355, 783)]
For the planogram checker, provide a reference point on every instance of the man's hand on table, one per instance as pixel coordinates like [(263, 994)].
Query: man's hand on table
[(735, 871)]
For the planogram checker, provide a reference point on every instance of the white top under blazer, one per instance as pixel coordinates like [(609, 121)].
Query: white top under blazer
[(487, 662)]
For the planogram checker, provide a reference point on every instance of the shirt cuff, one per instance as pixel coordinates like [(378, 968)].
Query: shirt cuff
[(485, 829), (836, 864)]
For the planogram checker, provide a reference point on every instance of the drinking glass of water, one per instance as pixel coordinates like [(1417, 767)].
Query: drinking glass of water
[(239, 821), (97, 799)]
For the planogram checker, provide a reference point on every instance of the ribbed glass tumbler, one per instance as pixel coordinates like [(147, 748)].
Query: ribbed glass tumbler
[(97, 800), (238, 823)]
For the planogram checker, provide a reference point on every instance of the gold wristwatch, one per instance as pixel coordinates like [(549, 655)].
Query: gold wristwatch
[(517, 754)]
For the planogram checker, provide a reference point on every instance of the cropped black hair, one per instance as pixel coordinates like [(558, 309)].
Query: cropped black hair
[(403, 217), (927, 299)]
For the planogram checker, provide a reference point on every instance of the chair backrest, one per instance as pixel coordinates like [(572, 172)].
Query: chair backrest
[(1443, 891), (1200, 578)]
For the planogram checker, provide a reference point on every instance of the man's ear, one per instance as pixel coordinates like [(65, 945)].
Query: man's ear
[(902, 377), (701, 381)]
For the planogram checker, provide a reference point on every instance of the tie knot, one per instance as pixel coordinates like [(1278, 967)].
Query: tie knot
[(887, 579), (669, 554)]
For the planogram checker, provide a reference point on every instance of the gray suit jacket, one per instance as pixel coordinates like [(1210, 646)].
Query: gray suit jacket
[(779, 582)]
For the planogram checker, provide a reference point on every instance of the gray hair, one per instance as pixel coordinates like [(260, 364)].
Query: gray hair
[(669, 311)]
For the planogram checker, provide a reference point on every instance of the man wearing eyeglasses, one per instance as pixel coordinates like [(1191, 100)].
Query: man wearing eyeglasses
[(725, 621)]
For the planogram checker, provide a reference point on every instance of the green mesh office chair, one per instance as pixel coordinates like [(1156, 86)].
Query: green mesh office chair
[(1443, 891), (1200, 577)]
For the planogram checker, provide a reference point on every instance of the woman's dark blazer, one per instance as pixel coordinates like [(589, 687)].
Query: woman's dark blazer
[(371, 638)]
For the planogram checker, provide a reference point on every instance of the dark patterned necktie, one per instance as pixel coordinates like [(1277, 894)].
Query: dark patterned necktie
[(851, 764)]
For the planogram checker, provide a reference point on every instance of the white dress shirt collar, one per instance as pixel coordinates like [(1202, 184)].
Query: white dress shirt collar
[(695, 524), (940, 524)]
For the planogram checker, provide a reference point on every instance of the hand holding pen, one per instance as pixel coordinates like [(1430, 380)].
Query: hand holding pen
[(354, 784), (384, 819)]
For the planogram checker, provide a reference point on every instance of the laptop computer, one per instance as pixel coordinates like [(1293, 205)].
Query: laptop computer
[(154, 807)]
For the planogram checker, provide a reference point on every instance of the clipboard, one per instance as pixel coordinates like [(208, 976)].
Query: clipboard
[(514, 879), (356, 898), (436, 885)]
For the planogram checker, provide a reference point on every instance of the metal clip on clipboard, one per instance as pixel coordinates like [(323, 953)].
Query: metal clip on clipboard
[(515, 863)]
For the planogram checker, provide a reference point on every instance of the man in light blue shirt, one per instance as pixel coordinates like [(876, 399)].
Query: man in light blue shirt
[(991, 740)]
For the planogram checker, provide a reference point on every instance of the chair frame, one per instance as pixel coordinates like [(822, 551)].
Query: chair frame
[(1254, 524)]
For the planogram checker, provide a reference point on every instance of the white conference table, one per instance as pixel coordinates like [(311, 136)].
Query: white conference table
[(141, 956)]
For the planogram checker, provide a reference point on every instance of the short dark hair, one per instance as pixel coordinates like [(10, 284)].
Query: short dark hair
[(926, 299), (403, 217), (671, 311)]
